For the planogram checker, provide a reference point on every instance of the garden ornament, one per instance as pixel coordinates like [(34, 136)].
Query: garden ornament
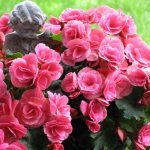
[(26, 19)]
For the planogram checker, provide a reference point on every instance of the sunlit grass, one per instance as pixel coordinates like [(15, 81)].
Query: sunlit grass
[(138, 9)]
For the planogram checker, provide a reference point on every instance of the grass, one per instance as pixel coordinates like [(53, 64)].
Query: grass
[(138, 9)]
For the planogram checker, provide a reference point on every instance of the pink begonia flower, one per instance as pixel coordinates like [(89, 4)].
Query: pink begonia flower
[(18, 145), (55, 29), (130, 28), (96, 36), (93, 18), (58, 105), (4, 24), (144, 135), (74, 94), (23, 70), (6, 104), (8, 62), (58, 128), (13, 146), (121, 133), (3, 88), (73, 14), (69, 84), (137, 76), (145, 99), (54, 25), (46, 55), (13, 130), (93, 126), (84, 108), (2, 40), (54, 20), (90, 83), (66, 57), (1, 70), (112, 50), (113, 22), (139, 146), (138, 51), (117, 85), (1, 136), (103, 10), (32, 110), (43, 79), (73, 30), (93, 61), (96, 109), (73, 112), (93, 57), (120, 66), (55, 146), (78, 50), (94, 15), (55, 69)]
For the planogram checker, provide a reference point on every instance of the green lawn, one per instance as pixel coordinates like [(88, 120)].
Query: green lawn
[(138, 9)]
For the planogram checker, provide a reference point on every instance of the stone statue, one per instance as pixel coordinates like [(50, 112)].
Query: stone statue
[(26, 19)]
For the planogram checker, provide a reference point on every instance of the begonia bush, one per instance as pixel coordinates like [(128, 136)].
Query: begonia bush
[(91, 92)]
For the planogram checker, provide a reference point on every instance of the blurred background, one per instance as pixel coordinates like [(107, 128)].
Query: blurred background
[(138, 9)]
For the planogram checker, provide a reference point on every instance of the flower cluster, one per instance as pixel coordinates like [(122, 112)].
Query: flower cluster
[(117, 59), (4, 24), (95, 73), (105, 50), (35, 72), (11, 131), (38, 69)]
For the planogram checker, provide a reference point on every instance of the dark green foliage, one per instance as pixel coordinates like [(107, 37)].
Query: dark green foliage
[(80, 137), (129, 105), (107, 139), (36, 139)]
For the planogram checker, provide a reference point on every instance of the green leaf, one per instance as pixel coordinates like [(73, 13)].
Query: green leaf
[(130, 106), (128, 125), (130, 109), (18, 93), (106, 139), (94, 26), (9, 54), (136, 95), (147, 114), (36, 139), (55, 87), (57, 37), (26, 141), (108, 123), (129, 144)]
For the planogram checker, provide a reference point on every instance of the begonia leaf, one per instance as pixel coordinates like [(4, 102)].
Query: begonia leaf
[(9, 54), (106, 139), (129, 105), (57, 37), (130, 110)]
